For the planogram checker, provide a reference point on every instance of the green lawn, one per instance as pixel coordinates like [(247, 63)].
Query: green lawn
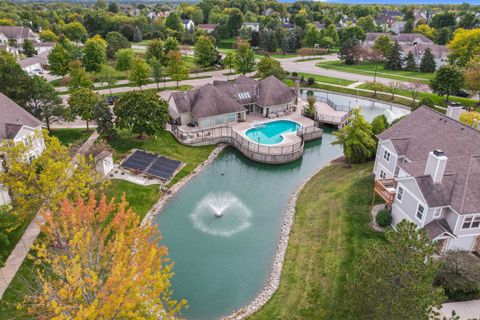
[(325, 79), (181, 87), (71, 136), (437, 100), (166, 144), (331, 226), (368, 68)]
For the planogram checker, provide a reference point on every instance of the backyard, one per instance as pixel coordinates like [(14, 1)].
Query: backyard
[(368, 68), (331, 226)]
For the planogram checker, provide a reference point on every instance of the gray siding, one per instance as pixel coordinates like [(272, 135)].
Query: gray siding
[(381, 163), (411, 198), (461, 243)]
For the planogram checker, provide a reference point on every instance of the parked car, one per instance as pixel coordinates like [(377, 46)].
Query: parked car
[(463, 94)]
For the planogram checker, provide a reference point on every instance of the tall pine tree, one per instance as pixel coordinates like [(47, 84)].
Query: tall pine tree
[(428, 63), (410, 63), (394, 58)]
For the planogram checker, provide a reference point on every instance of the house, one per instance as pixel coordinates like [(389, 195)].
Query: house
[(20, 126), (34, 64), (17, 34), (223, 103), (207, 27), (402, 39), (254, 26), (347, 22), (440, 53), (269, 12), (427, 169), (288, 25), (42, 47), (188, 25), (398, 26)]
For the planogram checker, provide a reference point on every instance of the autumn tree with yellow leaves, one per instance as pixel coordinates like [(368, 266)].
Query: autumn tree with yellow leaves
[(99, 262)]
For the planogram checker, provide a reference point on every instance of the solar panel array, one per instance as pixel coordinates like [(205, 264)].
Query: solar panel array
[(151, 164)]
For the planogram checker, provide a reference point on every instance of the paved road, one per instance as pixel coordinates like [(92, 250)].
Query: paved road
[(466, 309)]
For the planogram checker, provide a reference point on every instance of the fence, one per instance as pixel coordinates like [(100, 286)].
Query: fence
[(333, 105), (255, 151)]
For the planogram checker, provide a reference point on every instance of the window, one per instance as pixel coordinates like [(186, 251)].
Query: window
[(420, 211), (219, 120), (231, 117), (400, 194), (386, 155), (471, 222), (382, 174), (437, 212), (206, 123)]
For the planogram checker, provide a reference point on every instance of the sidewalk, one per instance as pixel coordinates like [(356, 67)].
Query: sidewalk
[(466, 309), (19, 253)]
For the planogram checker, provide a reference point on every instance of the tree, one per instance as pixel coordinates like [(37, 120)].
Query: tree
[(367, 23), (43, 181), (310, 110), (394, 58), (141, 113), (48, 36), (74, 31), (82, 102), (472, 76), (155, 50), (410, 64), (28, 49), (379, 124), (471, 118), (116, 41), (171, 44), (427, 31), (109, 76), (158, 70), (409, 26), (383, 44), (351, 33), (176, 67), (244, 58), (58, 61), (428, 64), (268, 66), (350, 51), (312, 36), (104, 119), (234, 22), (78, 77), (447, 80), (459, 275), (113, 7), (205, 52), (174, 22), (415, 88), (464, 46), (356, 138), (115, 265), (125, 59), (94, 54), (14, 82), (139, 73), (229, 61), (469, 21), (7, 226), (444, 19), (393, 87), (44, 102), (443, 36), (404, 270)]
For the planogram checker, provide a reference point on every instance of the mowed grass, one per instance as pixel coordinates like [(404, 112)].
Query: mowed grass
[(71, 135), (325, 79), (165, 144), (368, 68), (330, 228)]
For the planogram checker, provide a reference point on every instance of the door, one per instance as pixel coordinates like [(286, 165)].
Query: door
[(441, 246)]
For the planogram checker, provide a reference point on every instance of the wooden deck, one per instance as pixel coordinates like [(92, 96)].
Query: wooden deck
[(328, 115), (386, 189)]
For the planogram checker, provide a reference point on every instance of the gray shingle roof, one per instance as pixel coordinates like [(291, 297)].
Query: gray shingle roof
[(401, 38), (13, 117), (223, 97), (14, 32), (425, 130), (436, 228)]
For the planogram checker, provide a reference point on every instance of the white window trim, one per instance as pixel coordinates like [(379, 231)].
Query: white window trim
[(383, 174), (423, 212), (398, 192), (386, 152), (437, 212), (473, 216)]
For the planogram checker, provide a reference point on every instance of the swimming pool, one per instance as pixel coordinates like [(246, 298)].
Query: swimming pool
[(271, 132)]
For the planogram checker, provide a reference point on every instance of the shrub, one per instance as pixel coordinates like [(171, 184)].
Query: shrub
[(426, 101), (384, 218), (460, 276), (311, 81)]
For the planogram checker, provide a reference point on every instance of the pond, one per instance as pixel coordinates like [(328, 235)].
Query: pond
[(222, 227)]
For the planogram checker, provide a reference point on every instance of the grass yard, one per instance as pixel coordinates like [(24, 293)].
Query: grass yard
[(179, 88), (325, 79), (71, 136), (165, 144), (331, 226), (368, 69)]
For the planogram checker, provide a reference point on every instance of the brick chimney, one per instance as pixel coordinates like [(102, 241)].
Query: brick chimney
[(436, 163)]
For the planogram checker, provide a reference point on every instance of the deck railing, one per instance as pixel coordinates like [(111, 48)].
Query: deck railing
[(386, 189), (333, 105)]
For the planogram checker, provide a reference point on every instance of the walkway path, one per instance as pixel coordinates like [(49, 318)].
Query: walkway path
[(466, 309), (19, 253)]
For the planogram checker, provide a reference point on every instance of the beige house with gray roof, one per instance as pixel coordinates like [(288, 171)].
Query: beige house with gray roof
[(223, 103), (427, 169), (20, 126)]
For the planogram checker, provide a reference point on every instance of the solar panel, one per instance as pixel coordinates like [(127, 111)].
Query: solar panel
[(151, 164)]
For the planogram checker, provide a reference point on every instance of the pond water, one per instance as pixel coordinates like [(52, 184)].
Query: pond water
[(222, 227)]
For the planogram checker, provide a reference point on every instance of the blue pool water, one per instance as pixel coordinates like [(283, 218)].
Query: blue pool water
[(271, 132)]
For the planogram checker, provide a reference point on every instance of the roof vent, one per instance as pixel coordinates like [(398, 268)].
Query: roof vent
[(438, 152)]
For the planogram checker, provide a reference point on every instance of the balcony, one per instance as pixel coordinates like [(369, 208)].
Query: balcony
[(386, 189)]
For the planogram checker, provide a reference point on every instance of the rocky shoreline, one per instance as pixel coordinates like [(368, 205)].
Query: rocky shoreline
[(274, 279), (174, 189)]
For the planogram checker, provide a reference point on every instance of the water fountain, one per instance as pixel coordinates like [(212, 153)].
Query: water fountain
[(234, 213)]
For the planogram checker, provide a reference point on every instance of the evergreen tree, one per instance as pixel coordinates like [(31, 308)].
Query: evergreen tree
[(116, 41), (444, 36), (409, 26), (428, 64), (103, 117), (410, 64), (349, 52), (447, 80), (28, 49), (394, 58)]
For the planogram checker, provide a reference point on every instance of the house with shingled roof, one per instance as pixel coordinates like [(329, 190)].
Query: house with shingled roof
[(427, 170), (18, 125), (224, 102)]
